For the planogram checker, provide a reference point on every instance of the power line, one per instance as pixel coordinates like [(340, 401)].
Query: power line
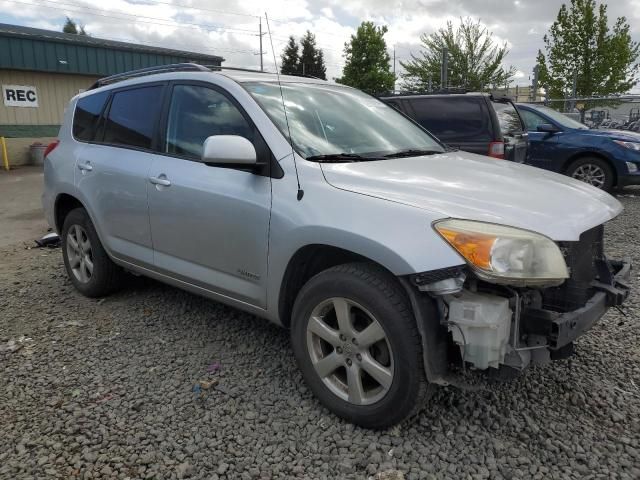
[(151, 20), (166, 23), (180, 46), (226, 12), (189, 7), (122, 17)]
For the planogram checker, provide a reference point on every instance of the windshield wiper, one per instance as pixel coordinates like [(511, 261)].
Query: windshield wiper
[(341, 157), (411, 152)]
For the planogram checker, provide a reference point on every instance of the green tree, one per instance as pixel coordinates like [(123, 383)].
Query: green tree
[(367, 64), (475, 59), (71, 27), (289, 58), (581, 47), (311, 59)]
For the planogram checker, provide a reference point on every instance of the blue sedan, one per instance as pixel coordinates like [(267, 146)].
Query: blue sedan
[(603, 158)]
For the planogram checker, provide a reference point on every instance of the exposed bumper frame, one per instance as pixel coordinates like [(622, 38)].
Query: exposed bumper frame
[(563, 328)]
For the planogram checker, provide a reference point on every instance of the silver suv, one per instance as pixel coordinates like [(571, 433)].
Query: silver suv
[(393, 260)]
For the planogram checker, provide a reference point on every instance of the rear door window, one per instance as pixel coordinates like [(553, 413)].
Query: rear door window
[(454, 117), (510, 122), (87, 115), (133, 116)]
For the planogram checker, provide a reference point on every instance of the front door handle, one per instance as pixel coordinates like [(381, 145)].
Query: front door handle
[(161, 180), (85, 166)]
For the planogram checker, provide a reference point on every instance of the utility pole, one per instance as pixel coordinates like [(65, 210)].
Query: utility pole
[(534, 84), (546, 95), (444, 67), (394, 69), (574, 90), (394, 60), (260, 34)]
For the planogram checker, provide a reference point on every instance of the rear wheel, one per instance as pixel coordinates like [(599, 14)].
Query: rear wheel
[(594, 171), (89, 267), (357, 345)]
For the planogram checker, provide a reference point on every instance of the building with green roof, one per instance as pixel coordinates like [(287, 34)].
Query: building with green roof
[(41, 70)]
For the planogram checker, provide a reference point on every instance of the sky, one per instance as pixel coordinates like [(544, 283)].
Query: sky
[(230, 29)]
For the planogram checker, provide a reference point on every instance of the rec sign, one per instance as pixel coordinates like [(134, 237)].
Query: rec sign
[(19, 96)]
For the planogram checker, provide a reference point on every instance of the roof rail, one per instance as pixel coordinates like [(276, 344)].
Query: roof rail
[(174, 67), (440, 91), (217, 68)]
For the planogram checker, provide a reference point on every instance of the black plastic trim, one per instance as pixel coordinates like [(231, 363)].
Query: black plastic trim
[(563, 328), (432, 332)]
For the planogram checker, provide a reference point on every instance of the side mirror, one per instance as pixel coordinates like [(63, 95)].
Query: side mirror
[(547, 128), (229, 150)]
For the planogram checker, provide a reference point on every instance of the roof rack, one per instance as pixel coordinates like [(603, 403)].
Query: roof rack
[(174, 67), (217, 68), (441, 91)]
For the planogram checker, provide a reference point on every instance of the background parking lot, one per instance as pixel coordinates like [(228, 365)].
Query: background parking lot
[(121, 388)]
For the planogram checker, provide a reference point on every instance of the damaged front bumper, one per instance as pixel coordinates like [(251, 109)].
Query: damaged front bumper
[(470, 322), (562, 328)]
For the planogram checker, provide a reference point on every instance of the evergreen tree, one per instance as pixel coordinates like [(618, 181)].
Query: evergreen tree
[(71, 27), (367, 61), (311, 59), (289, 57)]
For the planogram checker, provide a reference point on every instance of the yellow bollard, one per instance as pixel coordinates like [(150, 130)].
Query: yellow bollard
[(5, 156)]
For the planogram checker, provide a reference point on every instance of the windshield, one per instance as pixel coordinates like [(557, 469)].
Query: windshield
[(560, 118), (329, 120)]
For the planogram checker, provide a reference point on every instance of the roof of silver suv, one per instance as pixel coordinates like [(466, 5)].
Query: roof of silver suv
[(238, 74)]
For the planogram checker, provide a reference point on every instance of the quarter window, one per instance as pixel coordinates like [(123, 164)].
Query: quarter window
[(87, 114), (453, 118), (198, 112), (508, 118), (132, 117)]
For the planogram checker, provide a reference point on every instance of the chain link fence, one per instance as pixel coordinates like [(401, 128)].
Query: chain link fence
[(615, 112)]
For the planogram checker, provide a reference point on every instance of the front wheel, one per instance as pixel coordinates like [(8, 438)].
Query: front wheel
[(594, 171), (357, 345)]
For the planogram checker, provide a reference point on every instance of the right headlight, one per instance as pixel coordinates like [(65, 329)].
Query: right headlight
[(635, 146), (505, 255)]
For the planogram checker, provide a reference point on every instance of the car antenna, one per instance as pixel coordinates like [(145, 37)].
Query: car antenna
[(286, 117)]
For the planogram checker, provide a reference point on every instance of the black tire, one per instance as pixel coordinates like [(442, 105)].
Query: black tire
[(106, 276), (609, 177), (377, 291)]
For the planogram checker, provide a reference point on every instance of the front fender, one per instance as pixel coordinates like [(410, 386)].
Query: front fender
[(398, 237)]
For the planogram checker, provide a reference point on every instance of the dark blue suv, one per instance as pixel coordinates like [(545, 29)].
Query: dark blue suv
[(603, 158)]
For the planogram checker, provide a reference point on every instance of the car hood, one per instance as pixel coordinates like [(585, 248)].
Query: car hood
[(614, 134), (468, 186)]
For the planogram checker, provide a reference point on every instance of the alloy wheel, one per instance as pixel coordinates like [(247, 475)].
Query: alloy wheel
[(591, 174), (79, 253), (350, 351)]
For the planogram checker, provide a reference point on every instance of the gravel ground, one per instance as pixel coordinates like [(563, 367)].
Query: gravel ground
[(117, 388)]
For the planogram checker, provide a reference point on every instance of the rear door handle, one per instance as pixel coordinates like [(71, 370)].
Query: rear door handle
[(161, 180), (85, 166)]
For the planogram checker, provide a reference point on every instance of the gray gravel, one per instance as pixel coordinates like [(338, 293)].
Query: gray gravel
[(110, 389)]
